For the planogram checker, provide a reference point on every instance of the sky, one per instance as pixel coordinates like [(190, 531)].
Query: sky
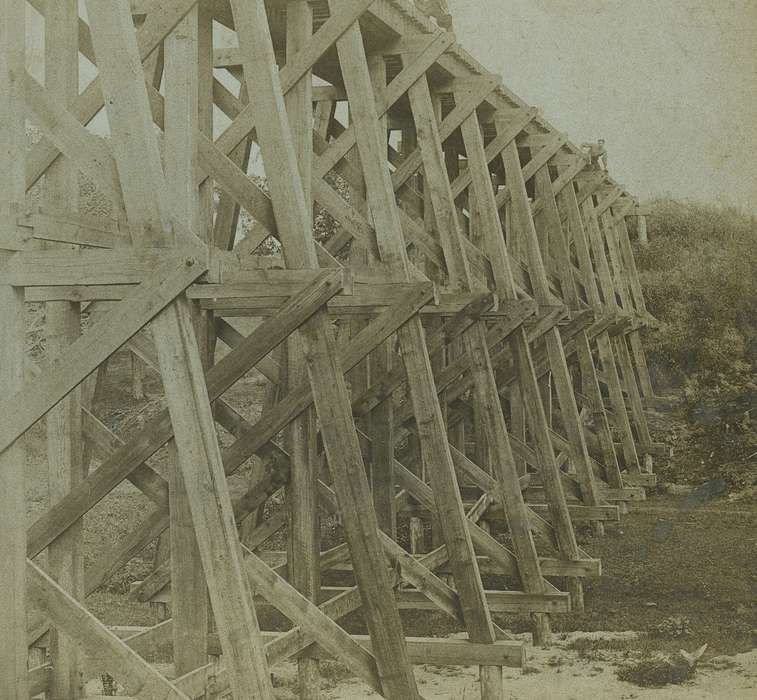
[(670, 84)]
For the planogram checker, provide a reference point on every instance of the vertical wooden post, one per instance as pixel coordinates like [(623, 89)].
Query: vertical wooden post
[(604, 344), (329, 389), (65, 467), (188, 590), (199, 457), (622, 287), (431, 429), (522, 221), (13, 653), (491, 423), (518, 422), (302, 491), (381, 418), (579, 453), (550, 219), (567, 203), (65, 470), (642, 224), (228, 209), (494, 245), (382, 446), (637, 294)]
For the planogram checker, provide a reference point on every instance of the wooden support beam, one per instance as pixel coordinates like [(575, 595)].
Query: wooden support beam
[(199, 456), (548, 222), (421, 650), (416, 68), (150, 35), (455, 652), (101, 645), (466, 103), (312, 621), (13, 651), (568, 205), (508, 131), (83, 356), (477, 344), (329, 389), (63, 130), (301, 441), (415, 357), (494, 241), (65, 470), (124, 266), (637, 350), (619, 298), (418, 572), (587, 237), (55, 224), (156, 433), (189, 604), (523, 224), (292, 72)]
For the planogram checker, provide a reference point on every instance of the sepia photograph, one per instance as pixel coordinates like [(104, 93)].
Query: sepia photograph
[(359, 349)]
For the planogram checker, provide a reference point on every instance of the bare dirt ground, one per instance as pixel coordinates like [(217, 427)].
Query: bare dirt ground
[(558, 672), (562, 671)]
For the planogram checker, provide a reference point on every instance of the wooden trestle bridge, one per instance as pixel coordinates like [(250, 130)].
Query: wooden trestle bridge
[(460, 347)]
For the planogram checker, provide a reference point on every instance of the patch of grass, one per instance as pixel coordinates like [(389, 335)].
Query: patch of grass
[(598, 649), (670, 558), (673, 627), (655, 672), (333, 673)]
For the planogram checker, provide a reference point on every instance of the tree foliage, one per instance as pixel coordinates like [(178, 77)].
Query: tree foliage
[(699, 274)]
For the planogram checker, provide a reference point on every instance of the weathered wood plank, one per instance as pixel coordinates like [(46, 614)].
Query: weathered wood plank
[(327, 380), (13, 651), (150, 35), (189, 604), (123, 266), (412, 342), (312, 621), (199, 456), (202, 472), (82, 357), (301, 442), (487, 398), (523, 223), (253, 349), (100, 644)]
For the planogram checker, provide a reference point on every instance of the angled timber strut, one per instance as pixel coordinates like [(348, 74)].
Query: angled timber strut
[(459, 346)]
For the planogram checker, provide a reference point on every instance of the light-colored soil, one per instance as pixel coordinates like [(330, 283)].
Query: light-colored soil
[(558, 672)]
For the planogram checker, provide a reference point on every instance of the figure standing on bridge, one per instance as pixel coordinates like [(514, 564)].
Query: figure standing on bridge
[(438, 10), (597, 153)]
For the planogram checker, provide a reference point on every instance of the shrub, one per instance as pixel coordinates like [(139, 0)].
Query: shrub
[(699, 279)]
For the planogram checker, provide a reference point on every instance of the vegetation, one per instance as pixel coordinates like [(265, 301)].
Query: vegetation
[(699, 278)]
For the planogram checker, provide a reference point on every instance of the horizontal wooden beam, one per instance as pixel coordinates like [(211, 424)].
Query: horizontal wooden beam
[(499, 601), (641, 479), (123, 266), (451, 652), (71, 228), (421, 650), (551, 566)]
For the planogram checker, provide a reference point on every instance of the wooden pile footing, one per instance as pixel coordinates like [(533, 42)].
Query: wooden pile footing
[(457, 351)]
